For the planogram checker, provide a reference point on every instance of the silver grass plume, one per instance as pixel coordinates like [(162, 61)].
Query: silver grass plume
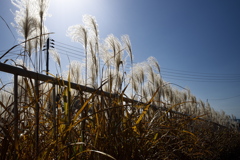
[(41, 13), (55, 56), (153, 62), (145, 93), (105, 55), (167, 92), (79, 33), (135, 79), (138, 77), (140, 72), (91, 24), (150, 74), (193, 99), (171, 97), (158, 83), (24, 19), (175, 98), (128, 48), (110, 43), (93, 62), (42, 9), (118, 52), (203, 106), (75, 68), (150, 77), (25, 22), (117, 80), (107, 58), (93, 34), (208, 108), (113, 45)]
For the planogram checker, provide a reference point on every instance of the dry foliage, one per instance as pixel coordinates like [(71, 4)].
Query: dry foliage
[(56, 121)]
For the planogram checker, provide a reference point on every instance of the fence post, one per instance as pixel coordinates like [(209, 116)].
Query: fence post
[(54, 120), (37, 118), (15, 115), (69, 109)]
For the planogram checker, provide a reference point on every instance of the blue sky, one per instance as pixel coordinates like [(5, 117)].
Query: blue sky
[(195, 41)]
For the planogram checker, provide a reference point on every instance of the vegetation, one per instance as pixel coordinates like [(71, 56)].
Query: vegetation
[(55, 121)]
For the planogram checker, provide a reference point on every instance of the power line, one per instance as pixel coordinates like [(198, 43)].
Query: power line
[(70, 55), (69, 48), (203, 78), (201, 73), (197, 74), (69, 45), (197, 78), (72, 51), (226, 98)]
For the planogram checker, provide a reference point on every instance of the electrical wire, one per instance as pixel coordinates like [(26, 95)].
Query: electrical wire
[(69, 49), (197, 76), (69, 45), (70, 53), (75, 52), (199, 73), (203, 78), (203, 75), (226, 98)]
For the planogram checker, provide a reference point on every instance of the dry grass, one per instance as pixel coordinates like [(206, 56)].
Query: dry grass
[(56, 121), (89, 126)]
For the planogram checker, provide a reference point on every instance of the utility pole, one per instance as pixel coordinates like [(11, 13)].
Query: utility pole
[(47, 49)]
